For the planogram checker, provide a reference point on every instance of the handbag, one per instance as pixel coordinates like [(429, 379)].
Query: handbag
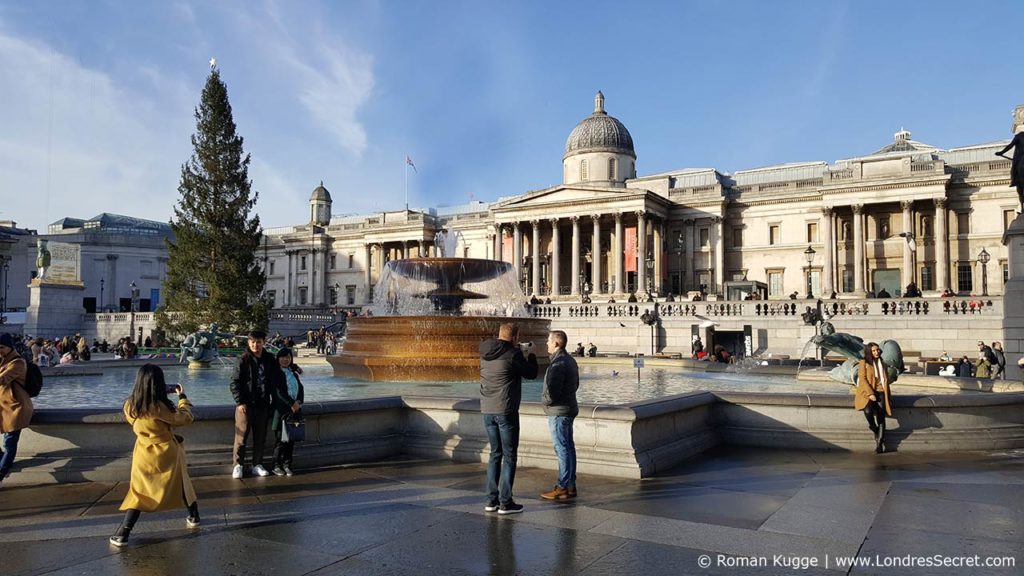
[(293, 430)]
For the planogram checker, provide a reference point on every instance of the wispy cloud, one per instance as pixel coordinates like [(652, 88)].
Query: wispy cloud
[(75, 142), (332, 79)]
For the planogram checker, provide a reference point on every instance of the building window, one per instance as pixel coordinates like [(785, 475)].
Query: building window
[(271, 267), (705, 235), (271, 299), (302, 296), (927, 278), (350, 294), (611, 168), (334, 261), (351, 261), (847, 280), (812, 232), (1008, 217), (737, 236), (1006, 271), (963, 223), (883, 227), (676, 283), (334, 296), (584, 175), (774, 234), (964, 277), (774, 284), (302, 263)]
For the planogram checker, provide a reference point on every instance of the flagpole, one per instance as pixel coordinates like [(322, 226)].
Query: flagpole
[(406, 183)]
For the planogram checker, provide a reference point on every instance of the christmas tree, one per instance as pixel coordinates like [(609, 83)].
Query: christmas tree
[(212, 273)]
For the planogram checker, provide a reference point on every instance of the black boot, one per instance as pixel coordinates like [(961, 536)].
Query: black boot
[(120, 538), (193, 516)]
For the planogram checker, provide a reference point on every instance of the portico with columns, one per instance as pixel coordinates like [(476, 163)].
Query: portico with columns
[(908, 212)]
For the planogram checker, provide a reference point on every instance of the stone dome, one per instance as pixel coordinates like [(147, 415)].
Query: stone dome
[(320, 194), (599, 132)]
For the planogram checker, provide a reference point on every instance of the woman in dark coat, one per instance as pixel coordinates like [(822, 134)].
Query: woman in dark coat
[(283, 410)]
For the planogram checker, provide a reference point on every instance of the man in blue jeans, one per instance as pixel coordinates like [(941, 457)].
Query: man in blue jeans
[(559, 399), (502, 369)]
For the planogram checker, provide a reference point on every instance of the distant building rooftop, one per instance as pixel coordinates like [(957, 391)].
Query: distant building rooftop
[(107, 223)]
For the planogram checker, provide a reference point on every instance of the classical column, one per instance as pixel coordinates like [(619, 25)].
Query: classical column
[(827, 284), (574, 282), (595, 251), (909, 274), (618, 254), (367, 293), (517, 252), (657, 255), (690, 267), (858, 250), (941, 246), (641, 252), (718, 280), (499, 243), (112, 287), (422, 249), (535, 249), (286, 298), (556, 264)]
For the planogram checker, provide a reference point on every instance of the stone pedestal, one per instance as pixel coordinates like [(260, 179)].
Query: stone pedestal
[(55, 309), (1013, 300)]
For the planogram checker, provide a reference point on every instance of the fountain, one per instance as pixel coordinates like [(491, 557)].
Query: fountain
[(429, 316)]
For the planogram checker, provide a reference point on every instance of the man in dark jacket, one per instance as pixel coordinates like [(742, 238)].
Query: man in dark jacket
[(502, 369), (253, 386), (559, 399), (999, 367)]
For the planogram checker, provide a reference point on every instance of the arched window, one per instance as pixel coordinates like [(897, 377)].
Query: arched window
[(611, 168), (584, 176)]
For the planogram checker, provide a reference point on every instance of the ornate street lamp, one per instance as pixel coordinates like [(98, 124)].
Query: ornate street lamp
[(984, 258), (650, 273), (135, 306), (809, 256), (3, 301), (681, 247)]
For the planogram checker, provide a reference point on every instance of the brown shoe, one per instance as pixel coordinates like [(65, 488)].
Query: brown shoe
[(571, 492), (558, 493)]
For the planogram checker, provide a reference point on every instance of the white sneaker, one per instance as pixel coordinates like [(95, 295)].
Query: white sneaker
[(259, 470), (237, 472)]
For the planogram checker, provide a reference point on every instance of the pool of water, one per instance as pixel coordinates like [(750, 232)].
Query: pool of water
[(598, 385)]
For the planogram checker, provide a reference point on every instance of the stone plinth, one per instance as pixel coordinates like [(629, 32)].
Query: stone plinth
[(55, 309), (1013, 309)]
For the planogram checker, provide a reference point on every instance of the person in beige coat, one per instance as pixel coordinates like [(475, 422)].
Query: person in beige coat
[(15, 404), (872, 393), (159, 478)]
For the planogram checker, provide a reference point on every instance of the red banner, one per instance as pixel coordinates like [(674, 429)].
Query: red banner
[(630, 249)]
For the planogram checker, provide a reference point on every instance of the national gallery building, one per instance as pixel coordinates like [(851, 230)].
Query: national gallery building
[(907, 212)]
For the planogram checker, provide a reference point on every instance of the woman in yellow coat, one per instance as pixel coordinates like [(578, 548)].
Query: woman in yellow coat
[(159, 474), (872, 394)]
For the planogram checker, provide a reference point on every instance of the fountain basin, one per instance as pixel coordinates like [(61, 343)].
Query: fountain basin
[(426, 348)]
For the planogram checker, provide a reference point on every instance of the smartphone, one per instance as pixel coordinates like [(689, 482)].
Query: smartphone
[(172, 388)]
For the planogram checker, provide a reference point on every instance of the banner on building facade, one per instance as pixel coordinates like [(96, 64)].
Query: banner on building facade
[(631, 249)]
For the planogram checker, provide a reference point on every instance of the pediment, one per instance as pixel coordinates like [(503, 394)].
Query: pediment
[(567, 195)]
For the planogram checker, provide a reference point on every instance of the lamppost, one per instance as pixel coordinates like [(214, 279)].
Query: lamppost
[(809, 256), (135, 306), (984, 258), (650, 273), (3, 302), (102, 282), (681, 248)]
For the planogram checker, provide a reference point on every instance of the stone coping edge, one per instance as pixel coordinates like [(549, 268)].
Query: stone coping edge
[(627, 412)]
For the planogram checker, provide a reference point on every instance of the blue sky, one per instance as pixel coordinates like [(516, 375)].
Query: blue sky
[(96, 98)]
